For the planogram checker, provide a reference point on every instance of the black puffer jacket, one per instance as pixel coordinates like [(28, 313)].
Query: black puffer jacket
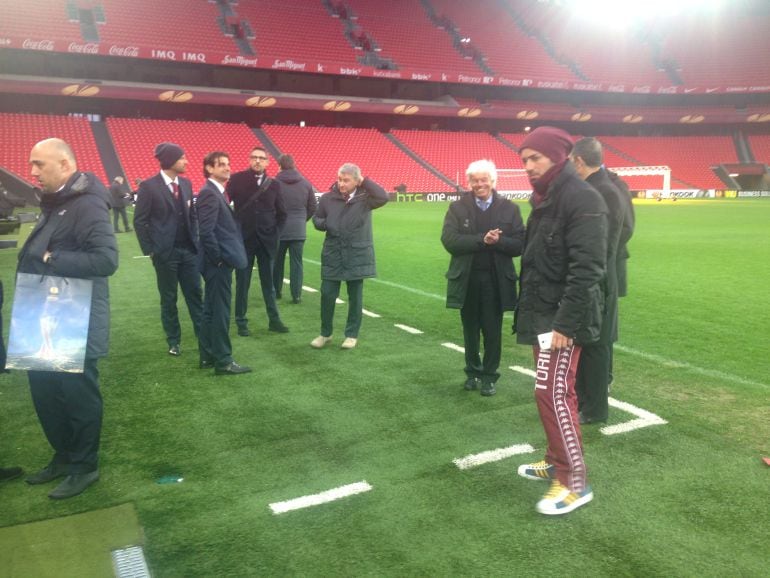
[(75, 227), (563, 263)]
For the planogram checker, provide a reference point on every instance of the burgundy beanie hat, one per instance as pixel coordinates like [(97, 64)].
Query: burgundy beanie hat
[(553, 142), (167, 154)]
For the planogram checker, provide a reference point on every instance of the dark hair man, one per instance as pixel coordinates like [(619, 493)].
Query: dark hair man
[(73, 238), (560, 306), (345, 214), (223, 251), (259, 211), (593, 373), (482, 232), (167, 229), (120, 198), (300, 204)]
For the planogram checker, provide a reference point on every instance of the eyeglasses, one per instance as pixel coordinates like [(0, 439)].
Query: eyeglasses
[(258, 158)]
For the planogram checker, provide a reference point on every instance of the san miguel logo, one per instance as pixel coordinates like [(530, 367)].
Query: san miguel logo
[(337, 105), (581, 117), (80, 90), (261, 101), (691, 119), (469, 112), (406, 109), (527, 114), (633, 118), (175, 96), (758, 117)]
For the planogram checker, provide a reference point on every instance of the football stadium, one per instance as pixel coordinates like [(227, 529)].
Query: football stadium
[(373, 459)]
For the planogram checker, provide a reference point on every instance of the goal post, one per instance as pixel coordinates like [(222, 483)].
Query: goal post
[(660, 170), (515, 181)]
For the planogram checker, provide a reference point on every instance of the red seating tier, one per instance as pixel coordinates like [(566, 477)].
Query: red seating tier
[(21, 132), (135, 141), (320, 151)]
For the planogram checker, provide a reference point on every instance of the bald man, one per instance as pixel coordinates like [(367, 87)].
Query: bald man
[(72, 238)]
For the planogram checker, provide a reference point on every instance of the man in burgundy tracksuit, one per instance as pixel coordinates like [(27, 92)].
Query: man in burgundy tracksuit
[(561, 299)]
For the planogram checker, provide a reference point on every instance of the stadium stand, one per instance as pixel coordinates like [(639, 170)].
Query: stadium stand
[(760, 146), (21, 132), (450, 152), (55, 26), (135, 141), (150, 23), (320, 151), (405, 34), (301, 31), (507, 48), (690, 158)]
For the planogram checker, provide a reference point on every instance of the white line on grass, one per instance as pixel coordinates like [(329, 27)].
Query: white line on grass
[(141, 256), (687, 366), (320, 498), (408, 329), (644, 417), (474, 460), (370, 314), (649, 356), (309, 289), (339, 301), (454, 347)]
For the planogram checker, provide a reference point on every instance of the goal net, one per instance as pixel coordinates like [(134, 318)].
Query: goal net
[(649, 178)]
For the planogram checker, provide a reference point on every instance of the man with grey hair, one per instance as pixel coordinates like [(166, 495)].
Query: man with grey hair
[(482, 232), (593, 373), (72, 238), (345, 214)]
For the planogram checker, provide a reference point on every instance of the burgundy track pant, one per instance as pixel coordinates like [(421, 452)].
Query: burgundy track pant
[(555, 373)]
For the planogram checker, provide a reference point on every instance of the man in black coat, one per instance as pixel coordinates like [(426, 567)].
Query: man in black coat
[(483, 232), (223, 252), (593, 373), (300, 203), (167, 229), (72, 238), (120, 198), (259, 211), (560, 306)]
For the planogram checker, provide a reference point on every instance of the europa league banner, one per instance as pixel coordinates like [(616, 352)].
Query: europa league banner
[(49, 323)]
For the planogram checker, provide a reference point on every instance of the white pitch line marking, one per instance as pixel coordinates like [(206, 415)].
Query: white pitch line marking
[(454, 347), (141, 256), (408, 329), (644, 417), (339, 301), (473, 460), (370, 314), (309, 289), (320, 498)]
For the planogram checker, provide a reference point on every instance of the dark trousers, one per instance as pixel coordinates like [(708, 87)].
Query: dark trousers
[(295, 267), (482, 315), (557, 404), (2, 342), (122, 212), (214, 337), (330, 290), (69, 407), (179, 270), (243, 283), (593, 380)]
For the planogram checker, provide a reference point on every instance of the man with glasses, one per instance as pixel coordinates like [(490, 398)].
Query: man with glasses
[(259, 210)]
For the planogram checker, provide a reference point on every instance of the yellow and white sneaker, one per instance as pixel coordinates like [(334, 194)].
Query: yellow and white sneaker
[(320, 341), (561, 500), (541, 470)]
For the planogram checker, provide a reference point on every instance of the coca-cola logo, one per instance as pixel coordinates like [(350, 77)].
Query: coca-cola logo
[(132, 51), (90, 48), (37, 44)]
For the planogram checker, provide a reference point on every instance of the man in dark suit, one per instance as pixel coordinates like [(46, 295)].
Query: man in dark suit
[(223, 251), (260, 212), (167, 229)]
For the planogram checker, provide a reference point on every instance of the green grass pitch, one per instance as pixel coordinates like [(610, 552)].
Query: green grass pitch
[(688, 498)]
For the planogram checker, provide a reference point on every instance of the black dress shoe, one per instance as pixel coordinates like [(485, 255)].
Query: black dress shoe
[(296, 300), (278, 295), (278, 327), (175, 350), (206, 364), (73, 485), (231, 368), (244, 331), (584, 419), (10, 473), (488, 388), (471, 383), (48, 474)]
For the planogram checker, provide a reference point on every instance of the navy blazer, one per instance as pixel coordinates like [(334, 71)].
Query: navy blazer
[(258, 210), (220, 236), (155, 216)]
